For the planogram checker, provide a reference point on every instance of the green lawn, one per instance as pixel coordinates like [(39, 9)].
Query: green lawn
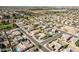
[(7, 26)]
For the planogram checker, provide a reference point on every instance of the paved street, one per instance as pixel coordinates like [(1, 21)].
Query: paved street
[(34, 41)]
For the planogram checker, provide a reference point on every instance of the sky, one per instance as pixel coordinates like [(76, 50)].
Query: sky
[(39, 2)]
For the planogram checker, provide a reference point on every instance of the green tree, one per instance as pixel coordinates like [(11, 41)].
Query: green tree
[(77, 43)]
